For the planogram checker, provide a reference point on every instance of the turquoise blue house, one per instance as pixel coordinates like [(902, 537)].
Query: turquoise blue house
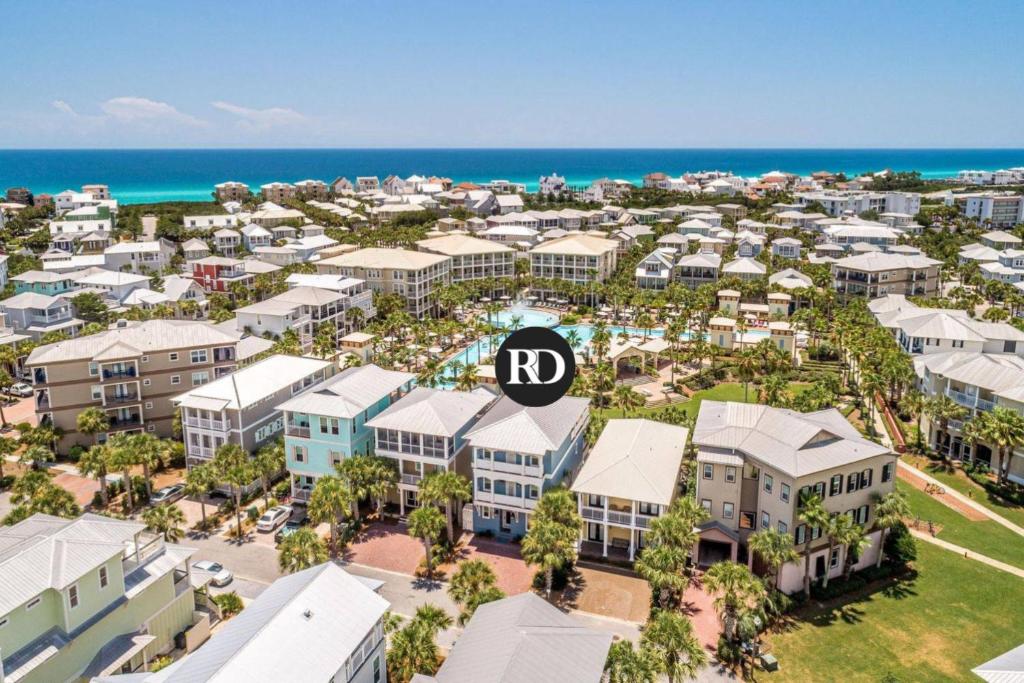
[(518, 454), (325, 426), (41, 282)]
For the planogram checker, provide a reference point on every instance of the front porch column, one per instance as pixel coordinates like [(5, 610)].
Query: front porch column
[(401, 501), (734, 551), (632, 543), (604, 526)]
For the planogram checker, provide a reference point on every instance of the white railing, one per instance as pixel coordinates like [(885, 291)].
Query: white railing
[(205, 423), (509, 467), (623, 518), (200, 451), (411, 479), (596, 514)]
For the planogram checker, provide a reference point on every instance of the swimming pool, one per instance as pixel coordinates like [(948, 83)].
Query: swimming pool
[(528, 316)]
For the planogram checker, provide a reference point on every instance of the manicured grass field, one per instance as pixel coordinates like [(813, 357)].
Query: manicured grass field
[(728, 391), (954, 615), (986, 537), (958, 481)]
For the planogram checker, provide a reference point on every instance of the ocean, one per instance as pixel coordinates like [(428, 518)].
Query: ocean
[(151, 175)]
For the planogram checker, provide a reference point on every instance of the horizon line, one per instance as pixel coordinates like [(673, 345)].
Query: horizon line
[(492, 149)]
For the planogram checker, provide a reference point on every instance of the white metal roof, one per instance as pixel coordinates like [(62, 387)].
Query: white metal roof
[(250, 385), (432, 411)]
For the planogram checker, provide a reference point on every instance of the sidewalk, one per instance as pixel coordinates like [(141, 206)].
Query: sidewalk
[(969, 554), (949, 491)]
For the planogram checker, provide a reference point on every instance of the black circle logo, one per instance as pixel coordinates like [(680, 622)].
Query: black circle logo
[(535, 366)]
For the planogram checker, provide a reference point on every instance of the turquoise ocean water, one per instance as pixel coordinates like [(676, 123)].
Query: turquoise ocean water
[(138, 176)]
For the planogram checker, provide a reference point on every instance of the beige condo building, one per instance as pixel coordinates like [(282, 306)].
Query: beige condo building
[(413, 275), (473, 258), (131, 372)]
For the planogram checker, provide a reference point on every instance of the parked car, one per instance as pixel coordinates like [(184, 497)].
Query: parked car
[(273, 518), (20, 389), (290, 527), (168, 494), (220, 575)]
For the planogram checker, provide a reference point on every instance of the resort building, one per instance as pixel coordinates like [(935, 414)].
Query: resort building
[(241, 407), (472, 258), (131, 372), (630, 477), (939, 330), (328, 424), (210, 223), (231, 192), (839, 202), (579, 259), (312, 189), (655, 270), (278, 193), (415, 276), (755, 464), (336, 618), (877, 274), (91, 597), (524, 637), (995, 209), (978, 382), (520, 452), (425, 432)]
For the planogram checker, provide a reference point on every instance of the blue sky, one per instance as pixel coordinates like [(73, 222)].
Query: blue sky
[(512, 74)]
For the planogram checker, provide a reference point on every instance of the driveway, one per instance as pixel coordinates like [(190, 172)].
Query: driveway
[(386, 545), (514, 575), (82, 488), (23, 410), (609, 592)]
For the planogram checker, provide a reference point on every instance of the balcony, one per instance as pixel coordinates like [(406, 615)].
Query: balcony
[(302, 494), (505, 499), (130, 397), (206, 423), (125, 422), (970, 401), (411, 479), (119, 372), (509, 467), (297, 430)]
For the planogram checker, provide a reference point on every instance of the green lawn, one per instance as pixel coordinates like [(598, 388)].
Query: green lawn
[(987, 537), (952, 616), (959, 481), (727, 391)]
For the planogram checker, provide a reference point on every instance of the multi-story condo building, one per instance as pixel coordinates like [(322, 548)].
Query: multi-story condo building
[(424, 432), (39, 314), (939, 330), (241, 407), (630, 477), (89, 597), (876, 274), (578, 259), (83, 221), (472, 258), (524, 635), (131, 372), (998, 209), (862, 233), (520, 452), (231, 191), (278, 193), (978, 382), (838, 202), (312, 189), (756, 464), (323, 610), (413, 275), (304, 310), (328, 424)]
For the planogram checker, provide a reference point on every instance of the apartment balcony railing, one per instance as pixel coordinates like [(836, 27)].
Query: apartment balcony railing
[(411, 479), (124, 422), (119, 372), (121, 398), (302, 494), (616, 517), (970, 401), (207, 423), (297, 430), (505, 499), (509, 467)]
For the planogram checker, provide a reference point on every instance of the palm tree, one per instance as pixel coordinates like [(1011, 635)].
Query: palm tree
[(414, 648), (455, 367), (7, 447), (147, 452), (747, 364), (301, 550), (95, 462), (467, 378), (123, 458), (166, 520), (670, 639), (473, 584), (427, 523), (736, 591), (268, 463), (448, 488), (774, 548), (329, 502), (913, 403), (558, 505), (662, 566), (836, 530), (890, 510), (626, 400), (814, 515), (382, 477), (626, 665), (1004, 429), (550, 546), (199, 481), (92, 421), (234, 468), (853, 538), (941, 408)]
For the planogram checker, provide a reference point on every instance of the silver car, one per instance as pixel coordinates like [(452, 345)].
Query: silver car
[(219, 575)]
